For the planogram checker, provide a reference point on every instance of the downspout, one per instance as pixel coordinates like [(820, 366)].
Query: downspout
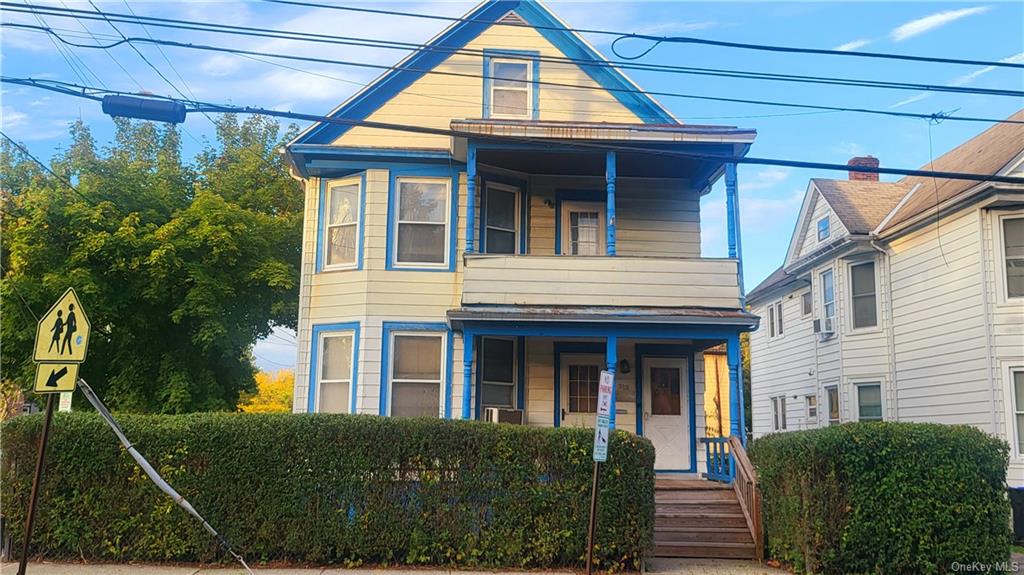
[(890, 340), (983, 261)]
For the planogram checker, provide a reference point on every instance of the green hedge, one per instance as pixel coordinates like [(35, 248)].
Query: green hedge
[(331, 489), (884, 498)]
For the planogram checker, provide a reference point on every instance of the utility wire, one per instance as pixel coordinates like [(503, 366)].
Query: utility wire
[(660, 39), (366, 42), (585, 146), (59, 177), (251, 53)]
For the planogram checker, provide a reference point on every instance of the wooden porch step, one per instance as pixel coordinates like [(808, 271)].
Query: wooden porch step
[(698, 519), (726, 507), (670, 535), (703, 549), (673, 484), (695, 496)]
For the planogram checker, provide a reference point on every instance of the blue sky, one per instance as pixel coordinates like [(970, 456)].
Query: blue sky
[(770, 196)]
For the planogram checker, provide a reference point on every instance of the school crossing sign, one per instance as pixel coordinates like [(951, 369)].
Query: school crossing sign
[(62, 340)]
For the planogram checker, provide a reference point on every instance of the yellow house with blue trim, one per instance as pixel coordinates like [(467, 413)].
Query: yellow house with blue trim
[(500, 217)]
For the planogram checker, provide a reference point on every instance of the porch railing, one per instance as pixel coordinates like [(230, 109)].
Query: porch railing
[(720, 464), (745, 485), (727, 462)]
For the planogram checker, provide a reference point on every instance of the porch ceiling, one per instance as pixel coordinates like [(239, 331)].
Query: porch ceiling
[(578, 148), (601, 314)]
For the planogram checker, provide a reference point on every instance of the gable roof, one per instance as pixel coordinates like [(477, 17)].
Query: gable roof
[(990, 152), (460, 33), (861, 205), (777, 278)]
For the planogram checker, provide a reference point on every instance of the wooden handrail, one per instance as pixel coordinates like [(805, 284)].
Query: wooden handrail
[(745, 485)]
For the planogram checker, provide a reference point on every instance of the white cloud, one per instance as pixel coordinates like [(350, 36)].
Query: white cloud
[(850, 149), (910, 100), (764, 179), (968, 78), (852, 45), (221, 65), (11, 118), (676, 27), (932, 21)]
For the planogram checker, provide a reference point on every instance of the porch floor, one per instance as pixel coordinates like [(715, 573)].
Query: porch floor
[(699, 518)]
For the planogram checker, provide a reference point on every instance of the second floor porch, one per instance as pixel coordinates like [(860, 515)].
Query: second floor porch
[(602, 214)]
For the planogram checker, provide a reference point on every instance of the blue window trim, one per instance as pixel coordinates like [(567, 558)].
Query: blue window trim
[(388, 328), (533, 56), (653, 350), (523, 199), (588, 347), (461, 33), (520, 380), (320, 223), (314, 367), (392, 227), (597, 196)]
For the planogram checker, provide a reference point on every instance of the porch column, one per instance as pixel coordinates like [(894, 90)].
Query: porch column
[(612, 356), (735, 391), (609, 178), (732, 208), (470, 195), (467, 373)]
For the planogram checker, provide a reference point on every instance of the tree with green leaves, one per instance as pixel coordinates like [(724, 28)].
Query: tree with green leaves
[(181, 266)]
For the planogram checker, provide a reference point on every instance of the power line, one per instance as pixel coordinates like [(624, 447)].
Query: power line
[(62, 179), (225, 108), (250, 53), (374, 43), (663, 39)]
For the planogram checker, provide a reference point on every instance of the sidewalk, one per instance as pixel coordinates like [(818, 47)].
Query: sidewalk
[(660, 566)]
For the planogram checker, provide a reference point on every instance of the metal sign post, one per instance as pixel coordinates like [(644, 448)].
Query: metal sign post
[(62, 339), (601, 430)]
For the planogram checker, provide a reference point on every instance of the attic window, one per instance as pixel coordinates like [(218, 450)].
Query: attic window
[(823, 229), (510, 88)]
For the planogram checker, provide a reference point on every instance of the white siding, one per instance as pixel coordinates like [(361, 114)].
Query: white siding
[(941, 365), (819, 209)]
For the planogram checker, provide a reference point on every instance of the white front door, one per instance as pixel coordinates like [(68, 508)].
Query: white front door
[(582, 229), (667, 412), (579, 378)]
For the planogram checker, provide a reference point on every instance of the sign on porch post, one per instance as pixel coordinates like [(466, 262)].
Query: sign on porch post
[(601, 430)]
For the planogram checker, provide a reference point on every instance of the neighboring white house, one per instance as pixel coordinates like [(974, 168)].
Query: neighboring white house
[(901, 301)]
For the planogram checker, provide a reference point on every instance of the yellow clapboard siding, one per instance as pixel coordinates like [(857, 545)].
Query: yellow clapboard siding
[(435, 99)]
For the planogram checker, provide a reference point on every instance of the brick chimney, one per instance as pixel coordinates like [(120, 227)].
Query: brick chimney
[(867, 161)]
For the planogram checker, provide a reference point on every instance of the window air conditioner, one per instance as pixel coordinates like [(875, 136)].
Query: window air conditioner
[(823, 328), (499, 415)]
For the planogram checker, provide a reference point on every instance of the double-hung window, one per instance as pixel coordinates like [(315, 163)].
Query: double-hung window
[(824, 230), (341, 229), (335, 372), (779, 413), (775, 319), (812, 408), (828, 299), (416, 373), (1017, 380), (498, 373), (864, 300), (832, 393), (501, 213), (806, 304), (1013, 253), (869, 401), (510, 88), (422, 222)]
